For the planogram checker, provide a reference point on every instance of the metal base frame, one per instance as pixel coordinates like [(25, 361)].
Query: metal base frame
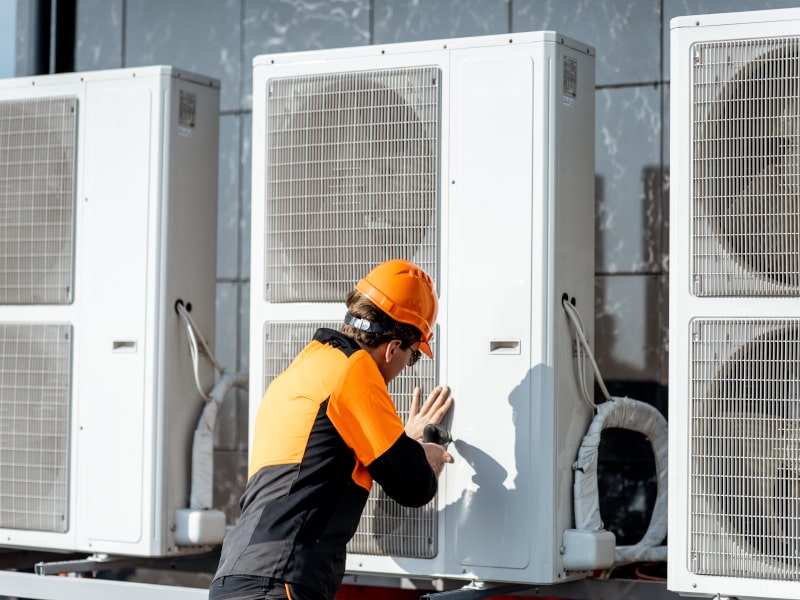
[(74, 577)]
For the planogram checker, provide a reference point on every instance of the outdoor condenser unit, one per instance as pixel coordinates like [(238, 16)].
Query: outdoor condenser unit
[(734, 448), (107, 219), (473, 158)]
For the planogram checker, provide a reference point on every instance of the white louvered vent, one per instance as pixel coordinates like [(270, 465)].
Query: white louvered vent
[(352, 163), (386, 527), (37, 200), (34, 425), (746, 167), (745, 448)]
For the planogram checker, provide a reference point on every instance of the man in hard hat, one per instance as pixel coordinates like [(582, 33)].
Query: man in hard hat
[(325, 429)]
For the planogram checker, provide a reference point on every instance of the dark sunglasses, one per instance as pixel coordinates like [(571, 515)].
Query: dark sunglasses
[(415, 356)]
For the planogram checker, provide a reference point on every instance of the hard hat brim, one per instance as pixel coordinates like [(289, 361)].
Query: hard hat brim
[(426, 349)]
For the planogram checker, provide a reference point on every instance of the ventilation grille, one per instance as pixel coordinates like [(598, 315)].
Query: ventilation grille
[(352, 176), (745, 448), (746, 162), (386, 527), (34, 425), (37, 200)]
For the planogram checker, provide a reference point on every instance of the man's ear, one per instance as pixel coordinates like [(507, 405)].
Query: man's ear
[(391, 348)]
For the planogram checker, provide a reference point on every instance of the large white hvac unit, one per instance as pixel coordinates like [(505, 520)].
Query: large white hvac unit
[(107, 219), (734, 448), (473, 158)]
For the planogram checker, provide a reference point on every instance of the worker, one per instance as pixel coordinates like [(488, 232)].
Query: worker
[(327, 427)]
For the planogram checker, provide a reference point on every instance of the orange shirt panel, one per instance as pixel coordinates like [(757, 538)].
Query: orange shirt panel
[(363, 412), (290, 405)]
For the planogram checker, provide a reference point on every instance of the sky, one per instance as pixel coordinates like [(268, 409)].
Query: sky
[(8, 12)]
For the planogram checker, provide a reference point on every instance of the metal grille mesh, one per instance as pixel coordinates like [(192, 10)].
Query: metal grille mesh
[(746, 168), (352, 178), (35, 362), (386, 528), (745, 448), (37, 200)]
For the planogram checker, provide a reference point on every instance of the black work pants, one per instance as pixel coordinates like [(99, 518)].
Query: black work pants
[(251, 587)]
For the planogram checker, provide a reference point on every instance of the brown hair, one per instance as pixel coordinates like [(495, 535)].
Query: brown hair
[(361, 307)]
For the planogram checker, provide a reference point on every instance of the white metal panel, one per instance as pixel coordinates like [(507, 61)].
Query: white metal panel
[(734, 236), (113, 333), (491, 214)]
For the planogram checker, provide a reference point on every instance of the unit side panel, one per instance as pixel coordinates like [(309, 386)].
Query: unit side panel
[(491, 362), (188, 237), (571, 204), (113, 339)]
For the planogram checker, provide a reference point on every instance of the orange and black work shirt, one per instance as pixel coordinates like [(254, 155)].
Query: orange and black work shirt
[(325, 429)]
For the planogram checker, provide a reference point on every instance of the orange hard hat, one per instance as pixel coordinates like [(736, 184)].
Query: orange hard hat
[(405, 292)]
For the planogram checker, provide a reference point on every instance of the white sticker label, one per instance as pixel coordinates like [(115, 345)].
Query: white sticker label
[(570, 87)]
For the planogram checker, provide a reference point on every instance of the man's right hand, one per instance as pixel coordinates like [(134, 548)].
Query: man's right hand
[(437, 456)]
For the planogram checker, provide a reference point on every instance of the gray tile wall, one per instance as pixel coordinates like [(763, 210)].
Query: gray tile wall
[(220, 38)]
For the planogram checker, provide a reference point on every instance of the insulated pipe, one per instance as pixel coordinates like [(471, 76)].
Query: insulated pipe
[(625, 413), (202, 492)]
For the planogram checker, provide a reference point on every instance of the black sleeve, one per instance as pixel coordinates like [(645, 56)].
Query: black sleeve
[(404, 473)]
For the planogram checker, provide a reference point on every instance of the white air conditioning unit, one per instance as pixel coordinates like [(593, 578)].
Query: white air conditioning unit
[(734, 449), (107, 219), (473, 158)]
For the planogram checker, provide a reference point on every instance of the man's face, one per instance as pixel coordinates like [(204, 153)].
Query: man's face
[(398, 358)]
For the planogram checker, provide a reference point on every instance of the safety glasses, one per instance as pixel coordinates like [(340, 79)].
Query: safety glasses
[(415, 356)]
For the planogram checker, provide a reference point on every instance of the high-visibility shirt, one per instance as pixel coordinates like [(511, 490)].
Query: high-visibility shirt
[(325, 429)]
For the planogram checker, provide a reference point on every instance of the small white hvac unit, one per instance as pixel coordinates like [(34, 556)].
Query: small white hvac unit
[(734, 448), (107, 219), (473, 158)]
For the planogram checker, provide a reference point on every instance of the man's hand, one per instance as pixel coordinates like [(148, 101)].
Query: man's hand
[(433, 410), (437, 457)]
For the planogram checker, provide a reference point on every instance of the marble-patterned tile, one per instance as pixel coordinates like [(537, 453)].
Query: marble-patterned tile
[(230, 478), (202, 36), (8, 39), (272, 26), (625, 33), (665, 161), (244, 326), (628, 180), (438, 19), (245, 195), (677, 8), (631, 317), (29, 54), (98, 34), (228, 201), (226, 342)]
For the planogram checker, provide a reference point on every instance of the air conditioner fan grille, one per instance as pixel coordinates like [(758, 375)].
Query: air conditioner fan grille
[(35, 362), (746, 167), (745, 448), (386, 528), (37, 200), (352, 178)]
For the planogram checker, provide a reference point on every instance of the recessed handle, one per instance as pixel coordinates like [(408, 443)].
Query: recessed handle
[(123, 346), (504, 347)]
